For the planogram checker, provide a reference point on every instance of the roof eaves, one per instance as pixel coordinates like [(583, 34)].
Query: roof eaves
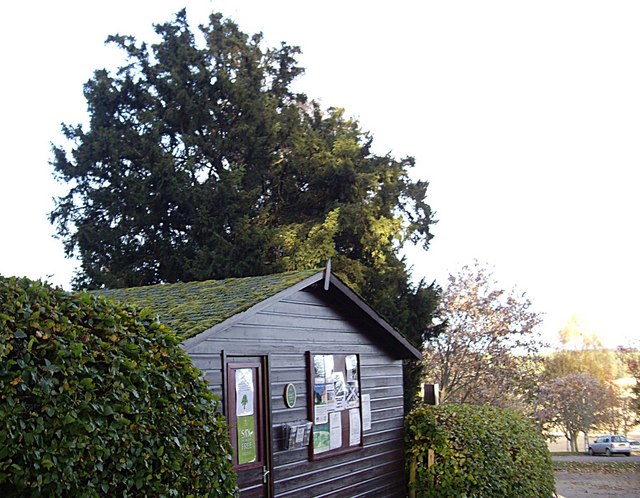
[(400, 339)]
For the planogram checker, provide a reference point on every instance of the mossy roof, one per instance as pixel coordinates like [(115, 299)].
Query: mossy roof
[(193, 307)]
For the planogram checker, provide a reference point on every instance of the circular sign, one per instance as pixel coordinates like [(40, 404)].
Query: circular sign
[(290, 395)]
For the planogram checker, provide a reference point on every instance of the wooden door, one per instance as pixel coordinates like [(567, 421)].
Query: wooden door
[(249, 426)]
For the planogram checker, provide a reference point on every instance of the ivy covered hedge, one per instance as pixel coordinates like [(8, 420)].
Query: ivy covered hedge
[(97, 399), (480, 451)]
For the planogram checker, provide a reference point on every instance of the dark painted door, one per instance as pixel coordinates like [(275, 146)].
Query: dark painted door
[(248, 421)]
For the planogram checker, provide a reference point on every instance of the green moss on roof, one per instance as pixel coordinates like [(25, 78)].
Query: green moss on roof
[(193, 307)]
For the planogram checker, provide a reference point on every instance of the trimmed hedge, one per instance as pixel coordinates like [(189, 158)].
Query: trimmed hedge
[(98, 399), (480, 451)]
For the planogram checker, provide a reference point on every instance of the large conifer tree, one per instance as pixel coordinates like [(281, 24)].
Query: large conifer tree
[(200, 162)]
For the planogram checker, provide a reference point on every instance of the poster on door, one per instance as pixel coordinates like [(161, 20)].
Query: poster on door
[(246, 440), (244, 392)]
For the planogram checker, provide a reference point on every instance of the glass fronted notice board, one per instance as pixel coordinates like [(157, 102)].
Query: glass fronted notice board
[(335, 404)]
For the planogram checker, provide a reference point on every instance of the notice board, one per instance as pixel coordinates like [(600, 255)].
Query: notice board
[(335, 404)]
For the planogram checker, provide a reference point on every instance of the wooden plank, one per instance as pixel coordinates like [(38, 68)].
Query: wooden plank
[(385, 391), (382, 370), (293, 373), (213, 377), (380, 403), (284, 362), (293, 335), (296, 456), (311, 309), (384, 488), (333, 465), (286, 333), (378, 486), (207, 361), (379, 381), (393, 434), (285, 415), (306, 296), (299, 321), (386, 424), (384, 463), (254, 347), (386, 413)]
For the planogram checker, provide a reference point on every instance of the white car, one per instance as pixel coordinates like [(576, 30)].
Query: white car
[(610, 445)]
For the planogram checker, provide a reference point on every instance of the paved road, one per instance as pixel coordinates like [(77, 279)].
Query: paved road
[(596, 458), (625, 484)]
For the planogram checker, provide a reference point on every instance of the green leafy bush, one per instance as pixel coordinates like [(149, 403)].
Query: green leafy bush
[(98, 399), (480, 451)]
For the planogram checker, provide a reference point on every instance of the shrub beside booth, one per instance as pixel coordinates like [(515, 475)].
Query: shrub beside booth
[(98, 399), (476, 451)]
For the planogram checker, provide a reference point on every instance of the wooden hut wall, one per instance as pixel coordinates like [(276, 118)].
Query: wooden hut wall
[(286, 330)]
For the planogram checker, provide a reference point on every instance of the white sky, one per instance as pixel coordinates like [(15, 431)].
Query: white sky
[(523, 116)]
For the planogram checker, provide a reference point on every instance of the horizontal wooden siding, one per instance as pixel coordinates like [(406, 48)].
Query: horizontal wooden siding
[(286, 331)]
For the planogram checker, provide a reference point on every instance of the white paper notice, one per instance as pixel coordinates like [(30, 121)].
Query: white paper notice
[(300, 433), (354, 427), (244, 392), (366, 412), (335, 430), (351, 363), (320, 414), (332, 405), (318, 366)]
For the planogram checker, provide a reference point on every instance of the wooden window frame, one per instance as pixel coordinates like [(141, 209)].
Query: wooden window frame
[(345, 448)]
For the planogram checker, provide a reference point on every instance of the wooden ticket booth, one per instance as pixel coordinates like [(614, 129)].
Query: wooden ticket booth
[(309, 377)]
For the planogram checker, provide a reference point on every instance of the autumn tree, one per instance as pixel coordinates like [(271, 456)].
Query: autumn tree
[(618, 414), (487, 350), (581, 351), (199, 162), (572, 404), (630, 357)]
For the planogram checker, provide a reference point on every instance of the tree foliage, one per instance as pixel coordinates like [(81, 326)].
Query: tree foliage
[(487, 350), (618, 415), (630, 357), (200, 162), (581, 352), (573, 404), (97, 399)]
